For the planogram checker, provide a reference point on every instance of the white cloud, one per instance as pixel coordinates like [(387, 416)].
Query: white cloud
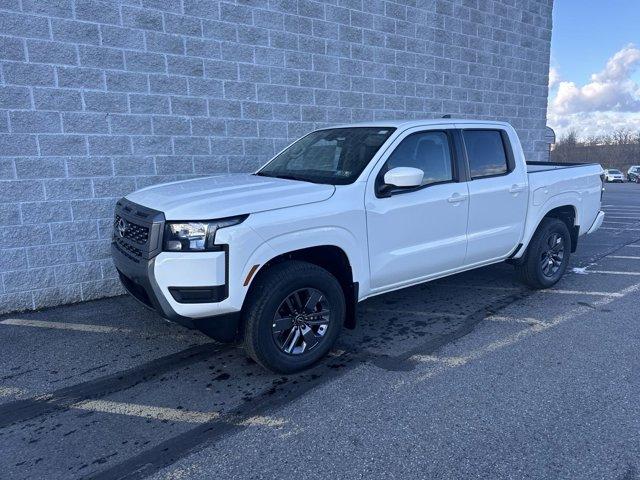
[(554, 77), (610, 100), (594, 123)]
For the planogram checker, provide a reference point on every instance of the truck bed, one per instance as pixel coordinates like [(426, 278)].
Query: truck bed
[(551, 181), (533, 167)]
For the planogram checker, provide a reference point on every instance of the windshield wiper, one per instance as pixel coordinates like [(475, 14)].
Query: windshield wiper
[(292, 177), (284, 176)]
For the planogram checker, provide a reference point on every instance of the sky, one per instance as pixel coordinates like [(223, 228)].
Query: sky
[(595, 67)]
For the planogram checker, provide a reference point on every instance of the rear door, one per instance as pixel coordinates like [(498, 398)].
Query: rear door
[(498, 193)]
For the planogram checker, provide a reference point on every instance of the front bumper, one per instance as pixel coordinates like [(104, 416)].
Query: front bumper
[(138, 279), (184, 287)]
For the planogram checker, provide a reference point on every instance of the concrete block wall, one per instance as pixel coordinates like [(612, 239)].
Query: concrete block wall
[(99, 98)]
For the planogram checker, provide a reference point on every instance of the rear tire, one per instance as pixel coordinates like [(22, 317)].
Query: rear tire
[(293, 316), (547, 255)]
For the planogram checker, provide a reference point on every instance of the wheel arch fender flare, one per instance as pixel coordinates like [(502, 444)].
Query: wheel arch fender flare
[(567, 200), (292, 242)]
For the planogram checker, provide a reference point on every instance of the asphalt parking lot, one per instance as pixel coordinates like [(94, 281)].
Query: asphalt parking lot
[(472, 376)]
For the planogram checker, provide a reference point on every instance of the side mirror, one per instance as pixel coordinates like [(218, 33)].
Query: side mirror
[(404, 177)]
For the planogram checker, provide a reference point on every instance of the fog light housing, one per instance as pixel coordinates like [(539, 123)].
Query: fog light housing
[(198, 294)]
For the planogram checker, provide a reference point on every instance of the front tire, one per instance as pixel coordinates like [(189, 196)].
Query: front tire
[(293, 316), (547, 256)]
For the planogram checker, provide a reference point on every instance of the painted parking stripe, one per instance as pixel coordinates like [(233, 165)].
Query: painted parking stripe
[(613, 272), (443, 363), (171, 414), (509, 319), (579, 292), (547, 291), (11, 392), (620, 228), (625, 257), (81, 327), (146, 411)]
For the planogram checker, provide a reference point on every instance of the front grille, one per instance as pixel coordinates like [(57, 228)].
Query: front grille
[(126, 248), (137, 230), (125, 229)]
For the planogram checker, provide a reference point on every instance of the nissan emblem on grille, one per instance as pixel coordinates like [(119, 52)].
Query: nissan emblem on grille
[(121, 227)]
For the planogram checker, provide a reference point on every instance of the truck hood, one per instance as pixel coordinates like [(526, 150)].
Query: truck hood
[(228, 195)]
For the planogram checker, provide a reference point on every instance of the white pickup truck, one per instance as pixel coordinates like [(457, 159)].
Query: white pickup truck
[(279, 259)]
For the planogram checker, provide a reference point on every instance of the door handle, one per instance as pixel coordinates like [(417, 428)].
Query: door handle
[(515, 188), (457, 198)]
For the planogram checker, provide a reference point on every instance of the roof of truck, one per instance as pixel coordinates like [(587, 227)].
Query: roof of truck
[(419, 123)]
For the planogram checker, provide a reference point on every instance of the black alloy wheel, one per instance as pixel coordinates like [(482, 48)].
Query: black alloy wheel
[(551, 258), (301, 321)]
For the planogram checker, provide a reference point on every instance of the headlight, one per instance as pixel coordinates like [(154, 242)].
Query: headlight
[(195, 236)]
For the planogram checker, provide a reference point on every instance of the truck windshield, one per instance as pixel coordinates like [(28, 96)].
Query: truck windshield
[(333, 156)]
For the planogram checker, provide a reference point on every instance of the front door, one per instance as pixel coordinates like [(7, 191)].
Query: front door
[(419, 232)]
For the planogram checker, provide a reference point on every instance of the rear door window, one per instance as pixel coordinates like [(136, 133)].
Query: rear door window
[(486, 153)]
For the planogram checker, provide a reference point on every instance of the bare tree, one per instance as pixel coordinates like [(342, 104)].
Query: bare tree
[(568, 140), (619, 149), (592, 140), (622, 136)]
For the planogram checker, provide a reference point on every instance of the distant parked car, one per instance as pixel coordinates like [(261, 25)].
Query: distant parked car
[(613, 175), (633, 174)]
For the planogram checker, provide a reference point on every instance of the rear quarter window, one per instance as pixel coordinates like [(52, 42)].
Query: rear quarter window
[(486, 153)]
